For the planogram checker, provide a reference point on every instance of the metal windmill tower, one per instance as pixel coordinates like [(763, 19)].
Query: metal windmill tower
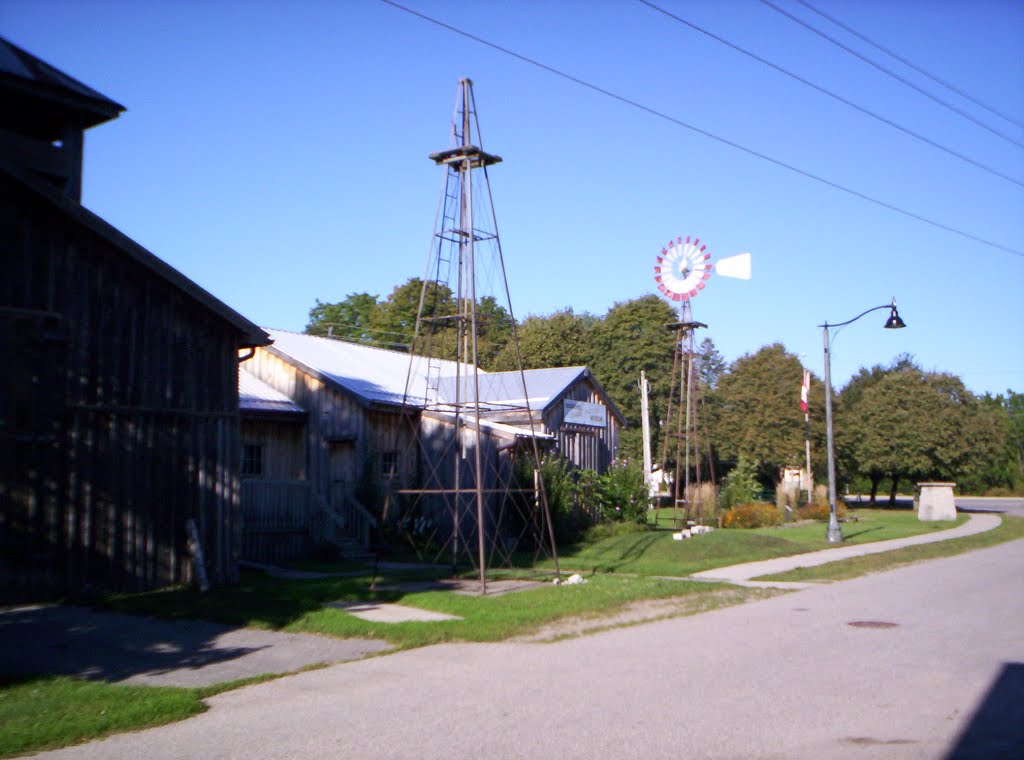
[(477, 434), (682, 271)]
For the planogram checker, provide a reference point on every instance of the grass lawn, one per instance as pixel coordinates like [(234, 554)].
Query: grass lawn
[(46, 712), (655, 553), (297, 606), (1011, 529)]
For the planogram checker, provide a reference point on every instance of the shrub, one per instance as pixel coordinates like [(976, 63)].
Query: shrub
[(622, 494), (820, 512), (741, 485), (751, 515)]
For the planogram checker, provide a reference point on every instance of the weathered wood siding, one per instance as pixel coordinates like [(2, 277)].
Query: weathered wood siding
[(284, 447), (339, 425), (278, 519), (118, 413), (592, 448)]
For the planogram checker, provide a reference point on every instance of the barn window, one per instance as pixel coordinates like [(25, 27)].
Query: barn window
[(389, 464), (252, 460)]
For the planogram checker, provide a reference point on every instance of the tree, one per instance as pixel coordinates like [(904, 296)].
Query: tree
[(349, 319), (918, 425), (996, 423), (757, 412), (633, 337), (394, 322), (710, 365), (561, 339), (493, 330)]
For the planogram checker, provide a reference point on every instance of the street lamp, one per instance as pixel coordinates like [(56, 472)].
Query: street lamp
[(835, 535)]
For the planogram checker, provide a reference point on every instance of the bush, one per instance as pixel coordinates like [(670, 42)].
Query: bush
[(751, 515), (741, 485), (622, 494), (820, 512), (579, 498)]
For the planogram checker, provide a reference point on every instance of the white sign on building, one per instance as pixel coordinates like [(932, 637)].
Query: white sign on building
[(585, 413)]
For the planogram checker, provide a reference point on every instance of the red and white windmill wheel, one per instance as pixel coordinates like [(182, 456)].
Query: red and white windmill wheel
[(683, 269)]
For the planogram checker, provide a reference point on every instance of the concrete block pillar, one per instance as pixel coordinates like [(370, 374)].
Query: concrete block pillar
[(934, 501)]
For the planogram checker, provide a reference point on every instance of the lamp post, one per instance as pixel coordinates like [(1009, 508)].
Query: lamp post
[(835, 535)]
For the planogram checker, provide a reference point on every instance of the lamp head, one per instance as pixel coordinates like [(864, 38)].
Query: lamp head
[(894, 322)]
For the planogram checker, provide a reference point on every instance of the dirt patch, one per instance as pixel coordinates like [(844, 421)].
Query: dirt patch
[(646, 611)]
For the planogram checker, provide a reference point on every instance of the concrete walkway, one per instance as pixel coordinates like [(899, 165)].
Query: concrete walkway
[(742, 574), (109, 646)]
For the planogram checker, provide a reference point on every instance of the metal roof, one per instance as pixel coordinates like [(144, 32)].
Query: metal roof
[(254, 395), (378, 375), (373, 374), (505, 389)]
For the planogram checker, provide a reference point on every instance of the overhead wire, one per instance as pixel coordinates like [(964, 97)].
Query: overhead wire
[(893, 74), (717, 138), (912, 65), (834, 95)]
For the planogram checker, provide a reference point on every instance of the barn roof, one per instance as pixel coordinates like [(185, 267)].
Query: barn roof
[(55, 95), (256, 397), (378, 375), (505, 389), (249, 333), (375, 375)]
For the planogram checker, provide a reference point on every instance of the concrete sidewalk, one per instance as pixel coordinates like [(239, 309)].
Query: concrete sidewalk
[(741, 575), (109, 646)]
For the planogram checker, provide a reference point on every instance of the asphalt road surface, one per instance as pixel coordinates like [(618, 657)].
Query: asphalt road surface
[(920, 662)]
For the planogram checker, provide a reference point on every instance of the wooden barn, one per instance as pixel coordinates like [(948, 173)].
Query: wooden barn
[(119, 395), (365, 435)]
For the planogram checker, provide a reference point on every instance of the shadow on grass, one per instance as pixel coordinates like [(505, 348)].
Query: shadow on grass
[(848, 534)]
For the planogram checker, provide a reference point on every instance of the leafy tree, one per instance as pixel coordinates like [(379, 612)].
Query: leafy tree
[(633, 337), (349, 319), (757, 413), (710, 364), (561, 339), (494, 330), (917, 425), (996, 421), (394, 322), (741, 486)]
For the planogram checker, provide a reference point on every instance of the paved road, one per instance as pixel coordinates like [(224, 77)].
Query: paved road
[(934, 664), (1011, 506)]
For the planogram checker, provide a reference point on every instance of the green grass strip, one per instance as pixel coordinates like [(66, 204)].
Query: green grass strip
[(47, 712), (1011, 529)]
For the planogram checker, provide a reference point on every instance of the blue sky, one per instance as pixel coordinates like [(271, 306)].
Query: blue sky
[(276, 153)]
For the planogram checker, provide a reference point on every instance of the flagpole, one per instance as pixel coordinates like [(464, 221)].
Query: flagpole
[(805, 392)]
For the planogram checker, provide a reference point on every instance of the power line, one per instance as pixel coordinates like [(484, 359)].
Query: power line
[(705, 133), (909, 64), (891, 73), (834, 95)]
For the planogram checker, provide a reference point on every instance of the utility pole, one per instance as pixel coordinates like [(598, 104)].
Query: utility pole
[(646, 421)]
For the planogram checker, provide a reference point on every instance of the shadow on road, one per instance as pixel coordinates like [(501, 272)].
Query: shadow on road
[(996, 729)]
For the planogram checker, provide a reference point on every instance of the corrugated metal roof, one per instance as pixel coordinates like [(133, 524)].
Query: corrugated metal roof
[(505, 389), (373, 374), (378, 375), (254, 395)]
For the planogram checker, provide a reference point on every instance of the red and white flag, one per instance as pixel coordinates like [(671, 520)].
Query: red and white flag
[(805, 387)]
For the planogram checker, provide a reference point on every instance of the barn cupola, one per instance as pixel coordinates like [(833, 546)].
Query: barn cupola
[(43, 116)]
